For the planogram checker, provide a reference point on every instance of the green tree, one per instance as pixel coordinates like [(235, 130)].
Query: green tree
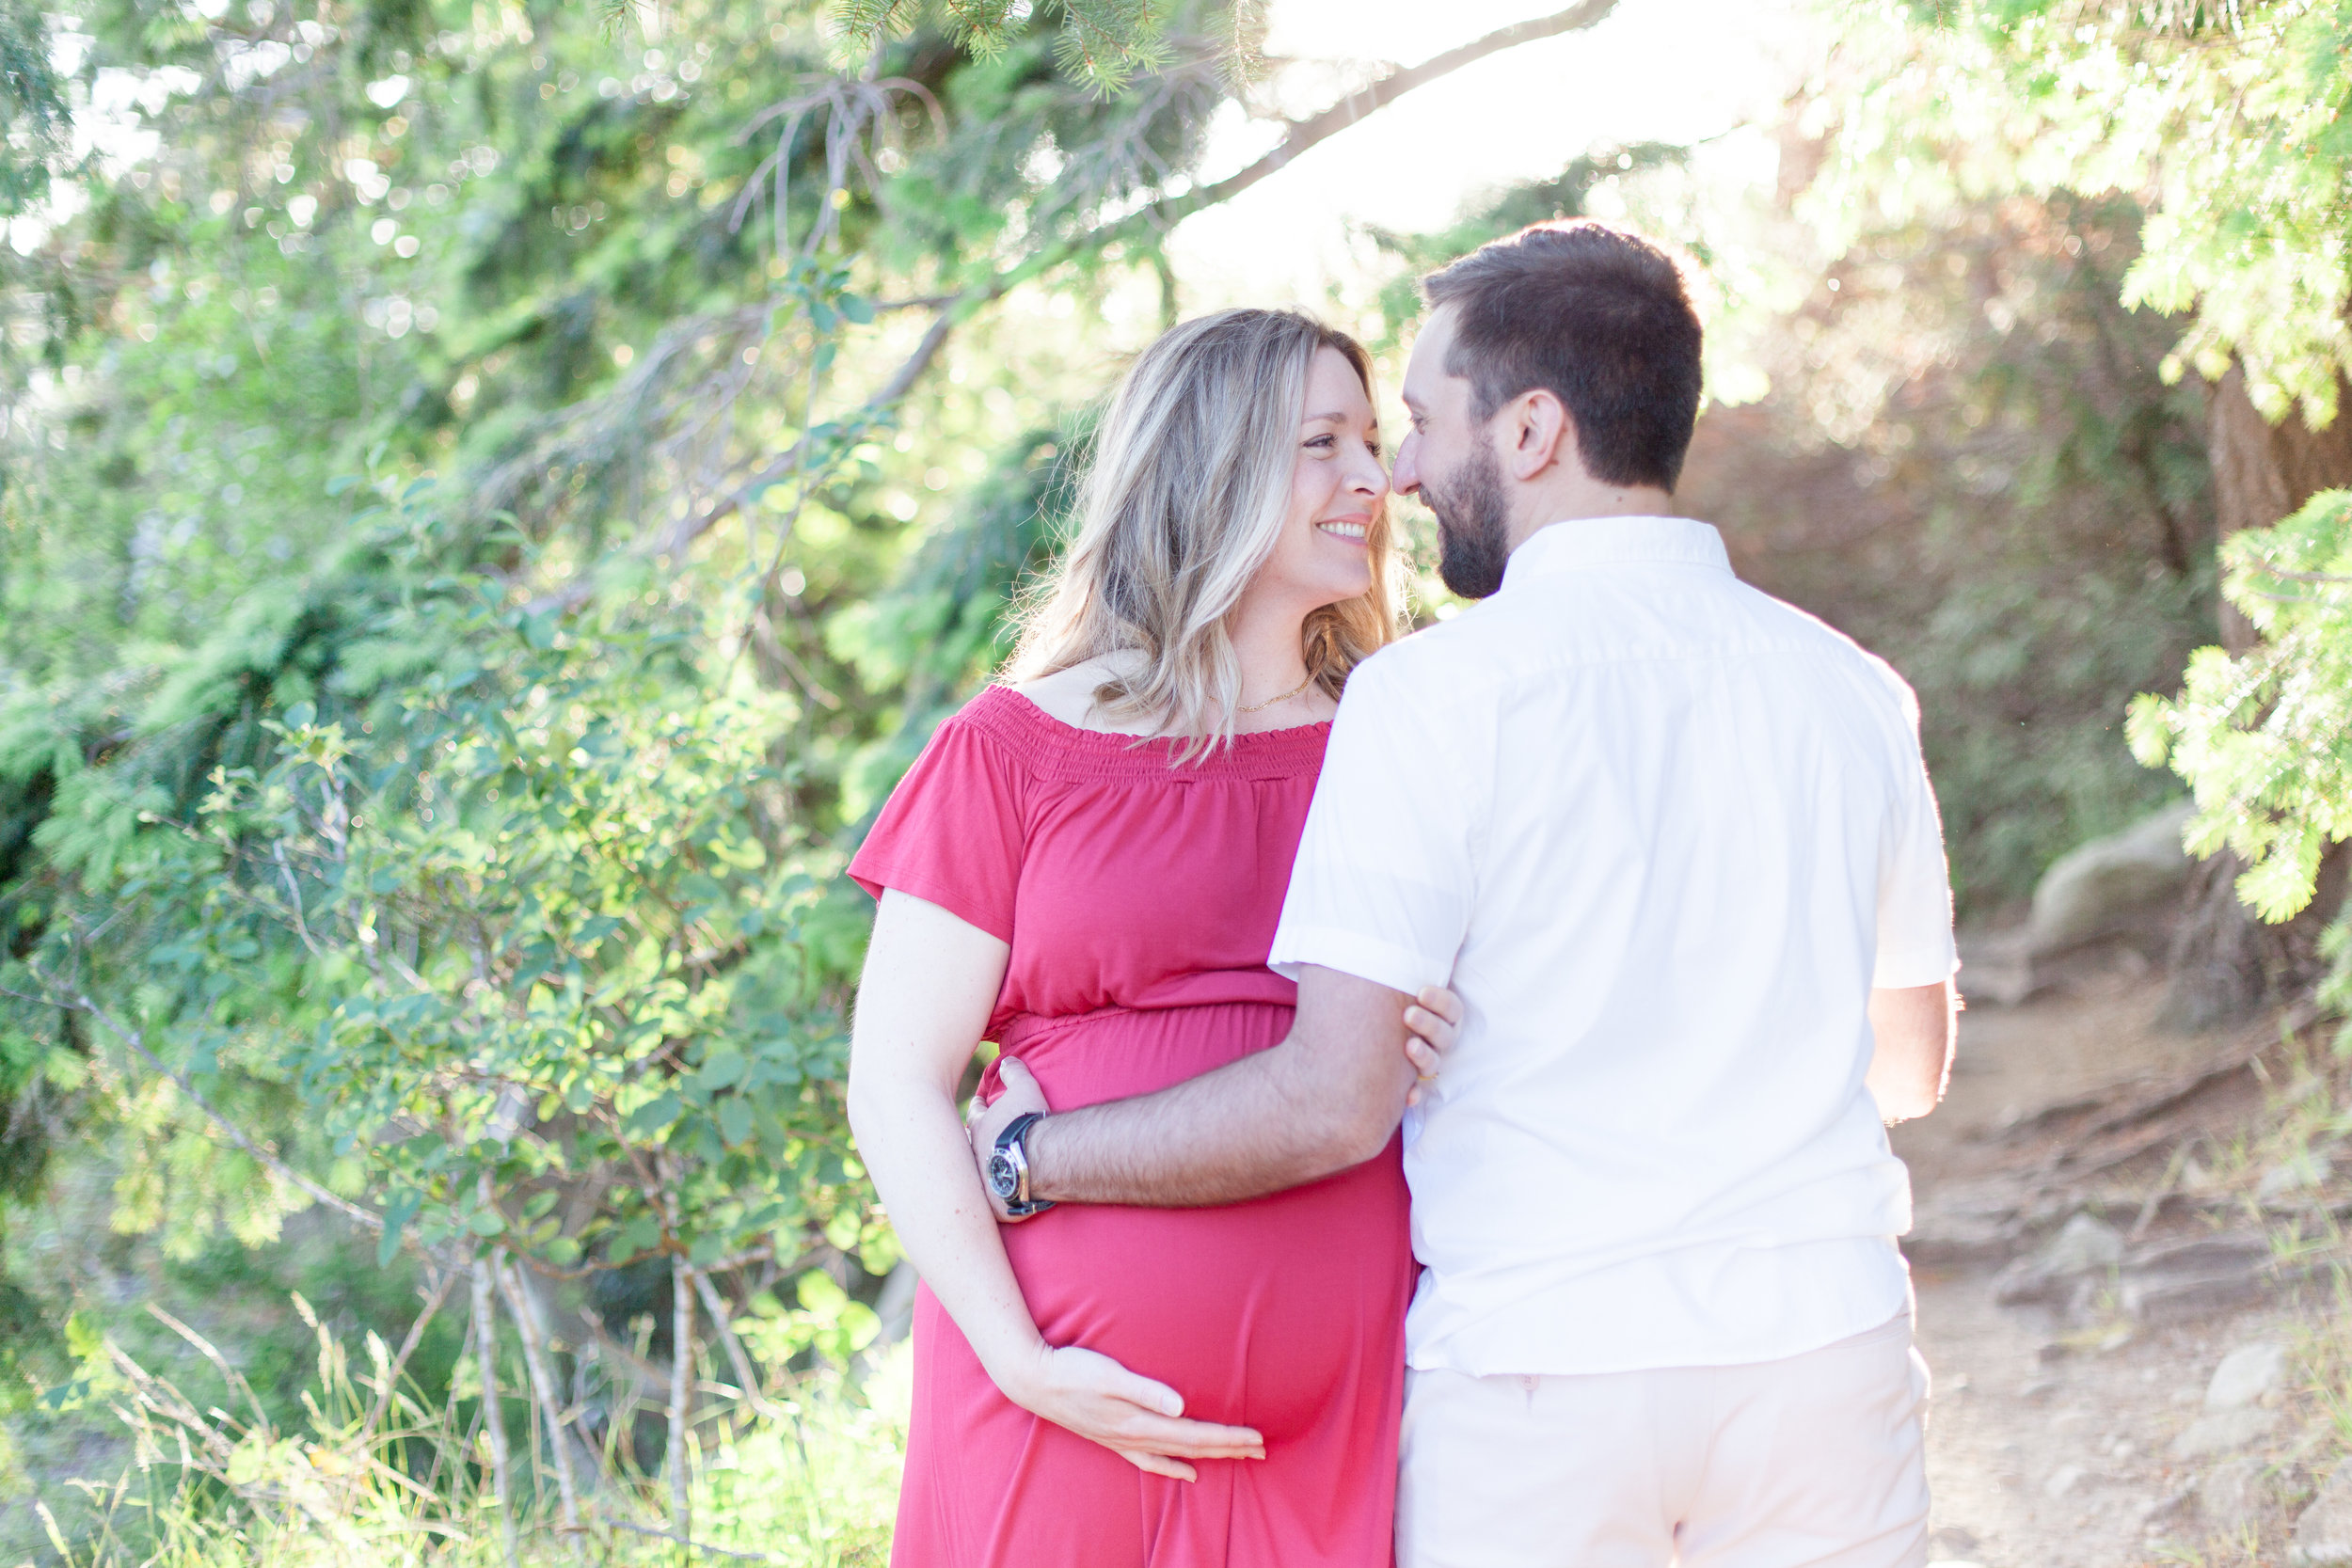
[(454, 849), (2224, 123)]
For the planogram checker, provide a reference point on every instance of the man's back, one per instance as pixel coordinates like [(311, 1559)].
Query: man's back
[(1664, 834)]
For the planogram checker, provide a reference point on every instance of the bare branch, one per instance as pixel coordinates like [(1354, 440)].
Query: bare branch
[(1375, 96), (950, 310), (901, 381), (696, 1546), (745, 1373), (694, 525), (544, 1392), (74, 998), (681, 1387), (494, 1419)]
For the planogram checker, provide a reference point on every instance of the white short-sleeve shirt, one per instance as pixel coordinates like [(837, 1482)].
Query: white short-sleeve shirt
[(1664, 833)]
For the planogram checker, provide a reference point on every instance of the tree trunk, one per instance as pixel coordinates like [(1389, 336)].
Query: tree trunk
[(2262, 472), (2226, 963)]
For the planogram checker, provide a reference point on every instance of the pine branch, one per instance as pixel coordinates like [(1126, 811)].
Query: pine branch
[(949, 310)]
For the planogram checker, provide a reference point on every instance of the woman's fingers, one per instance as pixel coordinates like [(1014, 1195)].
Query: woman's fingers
[(1192, 1439), (1097, 1399), (1433, 1022), (1157, 1418), (1158, 1464), (1139, 1391)]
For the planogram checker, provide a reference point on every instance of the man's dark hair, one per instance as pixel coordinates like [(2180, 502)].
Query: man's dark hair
[(1598, 317)]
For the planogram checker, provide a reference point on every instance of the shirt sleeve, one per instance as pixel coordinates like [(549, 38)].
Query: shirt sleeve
[(1385, 879), (952, 832), (1914, 916)]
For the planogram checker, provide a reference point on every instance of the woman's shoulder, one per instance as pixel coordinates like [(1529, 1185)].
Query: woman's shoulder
[(1068, 696), (1033, 728)]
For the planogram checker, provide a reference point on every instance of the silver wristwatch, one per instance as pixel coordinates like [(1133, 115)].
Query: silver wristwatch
[(1008, 1168)]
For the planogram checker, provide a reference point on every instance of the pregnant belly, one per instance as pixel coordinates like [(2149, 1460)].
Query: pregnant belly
[(1265, 1313)]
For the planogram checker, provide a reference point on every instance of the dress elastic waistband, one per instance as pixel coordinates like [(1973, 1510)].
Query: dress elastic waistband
[(1029, 1029)]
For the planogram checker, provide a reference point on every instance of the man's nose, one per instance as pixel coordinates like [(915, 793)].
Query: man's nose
[(1407, 479)]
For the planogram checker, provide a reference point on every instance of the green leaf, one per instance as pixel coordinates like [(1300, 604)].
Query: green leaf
[(821, 1294), (655, 1117), (642, 1234), (735, 1120), (722, 1070), (487, 1222), (246, 1461), (397, 1214)]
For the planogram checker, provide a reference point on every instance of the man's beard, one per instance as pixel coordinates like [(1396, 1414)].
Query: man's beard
[(1473, 531)]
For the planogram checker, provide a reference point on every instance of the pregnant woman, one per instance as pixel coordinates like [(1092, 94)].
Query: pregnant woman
[(1086, 866)]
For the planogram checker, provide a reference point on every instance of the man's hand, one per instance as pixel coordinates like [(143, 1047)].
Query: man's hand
[(1021, 1093), (1135, 1418)]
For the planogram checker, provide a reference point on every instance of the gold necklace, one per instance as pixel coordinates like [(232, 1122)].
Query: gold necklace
[(1261, 707)]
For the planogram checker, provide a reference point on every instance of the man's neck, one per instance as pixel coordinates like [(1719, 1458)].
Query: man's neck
[(1582, 499)]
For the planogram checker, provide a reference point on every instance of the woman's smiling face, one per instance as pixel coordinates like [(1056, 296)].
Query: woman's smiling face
[(1338, 488)]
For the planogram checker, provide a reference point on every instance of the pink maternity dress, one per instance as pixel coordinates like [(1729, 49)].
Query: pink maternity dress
[(1139, 900)]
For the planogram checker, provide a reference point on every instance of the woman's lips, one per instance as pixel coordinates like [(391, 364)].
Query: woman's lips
[(1354, 529)]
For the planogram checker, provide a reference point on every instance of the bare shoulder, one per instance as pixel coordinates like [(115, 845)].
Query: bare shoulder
[(1069, 695)]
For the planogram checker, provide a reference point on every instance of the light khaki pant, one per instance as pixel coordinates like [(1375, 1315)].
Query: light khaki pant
[(1812, 1461)]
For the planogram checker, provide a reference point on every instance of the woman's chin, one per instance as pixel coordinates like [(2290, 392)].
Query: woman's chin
[(1336, 596)]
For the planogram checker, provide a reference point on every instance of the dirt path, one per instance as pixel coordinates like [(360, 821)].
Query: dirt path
[(2052, 1430)]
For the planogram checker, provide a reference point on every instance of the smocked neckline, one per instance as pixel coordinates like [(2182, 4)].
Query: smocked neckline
[(1045, 740)]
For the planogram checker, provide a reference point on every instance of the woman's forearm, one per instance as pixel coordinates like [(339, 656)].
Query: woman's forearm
[(929, 983), (912, 1144)]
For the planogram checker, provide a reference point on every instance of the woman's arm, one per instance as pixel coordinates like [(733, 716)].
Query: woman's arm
[(931, 981)]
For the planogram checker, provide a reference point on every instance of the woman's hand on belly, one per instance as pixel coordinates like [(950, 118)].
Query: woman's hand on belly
[(1135, 1418)]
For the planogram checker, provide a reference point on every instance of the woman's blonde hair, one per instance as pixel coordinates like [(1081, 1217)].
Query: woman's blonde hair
[(1184, 501)]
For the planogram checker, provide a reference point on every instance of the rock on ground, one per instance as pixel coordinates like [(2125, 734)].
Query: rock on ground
[(2323, 1536), (2246, 1374), (2108, 884), (2224, 1432), (2232, 1495)]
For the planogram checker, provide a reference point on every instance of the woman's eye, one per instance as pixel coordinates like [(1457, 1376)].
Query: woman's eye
[(1324, 441)]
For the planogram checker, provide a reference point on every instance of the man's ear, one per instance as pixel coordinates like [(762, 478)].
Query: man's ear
[(1538, 432)]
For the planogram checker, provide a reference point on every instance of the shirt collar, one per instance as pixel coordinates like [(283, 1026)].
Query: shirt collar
[(1583, 542)]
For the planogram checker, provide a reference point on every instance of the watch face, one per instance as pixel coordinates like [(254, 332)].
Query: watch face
[(1002, 1178)]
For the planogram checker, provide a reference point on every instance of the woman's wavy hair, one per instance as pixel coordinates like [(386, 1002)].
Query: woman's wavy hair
[(1182, 504)]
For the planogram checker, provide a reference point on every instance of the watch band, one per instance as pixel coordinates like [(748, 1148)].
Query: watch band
[(1012, 1155)]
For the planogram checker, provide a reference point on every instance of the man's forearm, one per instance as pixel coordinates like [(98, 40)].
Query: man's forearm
[(1250, 1127), (1326, 1097)]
